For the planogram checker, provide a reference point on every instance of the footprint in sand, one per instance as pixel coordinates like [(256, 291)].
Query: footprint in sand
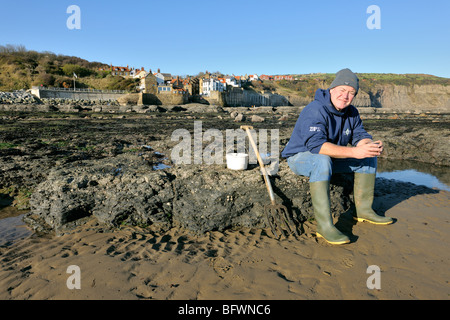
[(347, 262), (220, 266), (68, 252)]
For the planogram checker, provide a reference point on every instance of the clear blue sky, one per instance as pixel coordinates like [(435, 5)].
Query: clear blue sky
[(239, 36)]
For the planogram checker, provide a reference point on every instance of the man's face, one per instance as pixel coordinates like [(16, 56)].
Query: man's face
[(342, 96)]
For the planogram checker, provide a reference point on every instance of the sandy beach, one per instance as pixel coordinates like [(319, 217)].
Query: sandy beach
[(154, 162), (134, 263), (143, 263)]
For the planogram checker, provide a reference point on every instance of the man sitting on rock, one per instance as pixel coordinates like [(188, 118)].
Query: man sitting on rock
[(319, 146)]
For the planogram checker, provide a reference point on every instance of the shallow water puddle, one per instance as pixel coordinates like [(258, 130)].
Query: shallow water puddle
[(160, 166), (415, 177), (12, 228), (428, 175)]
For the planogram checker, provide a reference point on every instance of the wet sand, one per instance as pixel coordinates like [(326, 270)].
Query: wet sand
[(134, 263)]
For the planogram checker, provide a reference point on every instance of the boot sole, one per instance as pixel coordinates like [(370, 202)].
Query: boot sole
[(373, 222), (332, 242)]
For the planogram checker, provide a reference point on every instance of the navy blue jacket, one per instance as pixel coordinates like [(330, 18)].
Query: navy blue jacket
[(320, 122)]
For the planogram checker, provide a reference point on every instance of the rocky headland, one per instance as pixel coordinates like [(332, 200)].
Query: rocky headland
[(115, 166)]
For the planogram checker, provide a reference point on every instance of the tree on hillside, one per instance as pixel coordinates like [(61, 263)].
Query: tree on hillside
[(120, 83), (70, 69), (44, 79), (11, 48)]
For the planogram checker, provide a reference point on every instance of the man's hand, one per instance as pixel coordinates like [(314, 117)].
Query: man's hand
[(367, 148)]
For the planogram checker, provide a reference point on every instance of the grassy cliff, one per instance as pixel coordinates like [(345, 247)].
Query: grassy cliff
[(385, 90), (21, 69), (307, 84)]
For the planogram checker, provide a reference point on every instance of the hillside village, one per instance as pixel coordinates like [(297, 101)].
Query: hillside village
[(22, 69), (203, 84)]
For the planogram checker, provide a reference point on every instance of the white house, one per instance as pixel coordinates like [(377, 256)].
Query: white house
[(140, 74), (163, 78), (231, 81), (209, 85), (136, 73), (253, 77)]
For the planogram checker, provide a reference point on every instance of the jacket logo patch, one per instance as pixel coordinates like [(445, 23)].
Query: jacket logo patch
[(314, 128)]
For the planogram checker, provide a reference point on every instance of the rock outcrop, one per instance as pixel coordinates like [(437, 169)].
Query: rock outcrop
[(105, 166), (200, 198), (400, 97), (424, 97), (16, 97)]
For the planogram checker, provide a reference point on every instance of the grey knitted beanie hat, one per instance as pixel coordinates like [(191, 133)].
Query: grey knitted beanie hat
[(345, 77)]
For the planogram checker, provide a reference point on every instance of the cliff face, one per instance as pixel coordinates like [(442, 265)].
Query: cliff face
[(423, 97), (432, 97)]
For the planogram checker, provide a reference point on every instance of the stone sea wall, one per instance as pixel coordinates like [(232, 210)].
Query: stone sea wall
[(396, 97), (80, 94)]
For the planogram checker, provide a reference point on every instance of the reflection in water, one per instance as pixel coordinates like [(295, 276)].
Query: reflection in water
[(12, 228), (415, 172), (160, 166)]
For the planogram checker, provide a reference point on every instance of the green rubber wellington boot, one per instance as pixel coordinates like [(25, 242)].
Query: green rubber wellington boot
[(363, 190), (320, 196)]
